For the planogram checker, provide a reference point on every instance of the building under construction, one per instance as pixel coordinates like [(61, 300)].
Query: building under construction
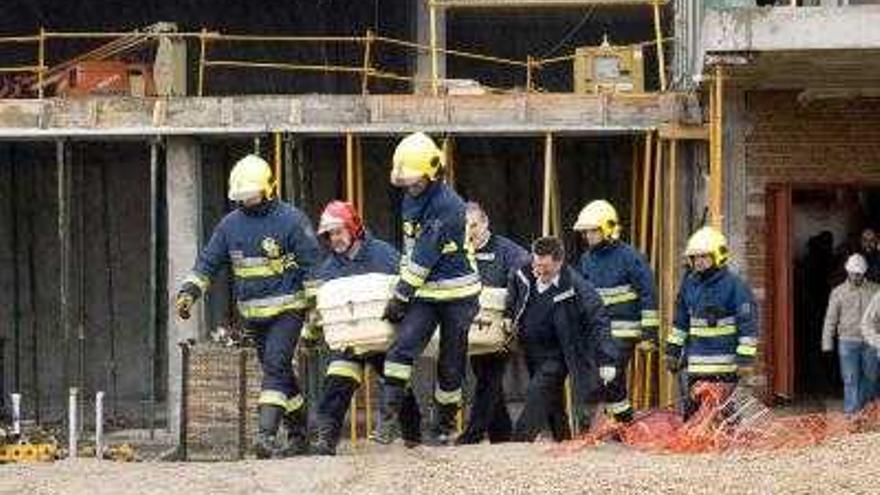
[(117, 133)]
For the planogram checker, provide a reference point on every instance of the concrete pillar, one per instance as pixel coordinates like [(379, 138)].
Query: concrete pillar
[(423, 37), (183, 191)]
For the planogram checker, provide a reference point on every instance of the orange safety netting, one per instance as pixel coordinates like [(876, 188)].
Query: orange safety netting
[(728, 418)]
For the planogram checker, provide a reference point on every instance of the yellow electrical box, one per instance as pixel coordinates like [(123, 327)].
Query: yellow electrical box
[(609, 69)]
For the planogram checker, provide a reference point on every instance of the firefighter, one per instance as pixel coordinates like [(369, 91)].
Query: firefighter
[(497, 259), (353, 251), (715, 327), (564, 330), (625, 283), (271, 248), (438, 284)]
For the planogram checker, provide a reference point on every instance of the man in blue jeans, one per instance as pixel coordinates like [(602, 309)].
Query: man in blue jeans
[(858, 360)]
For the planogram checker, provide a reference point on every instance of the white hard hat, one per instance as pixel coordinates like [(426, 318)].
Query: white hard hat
[(856, 264)]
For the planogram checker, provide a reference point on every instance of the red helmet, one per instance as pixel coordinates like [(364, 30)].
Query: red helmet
[(341, 214)]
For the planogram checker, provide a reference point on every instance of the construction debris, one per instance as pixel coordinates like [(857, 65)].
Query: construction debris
[(728, 419)]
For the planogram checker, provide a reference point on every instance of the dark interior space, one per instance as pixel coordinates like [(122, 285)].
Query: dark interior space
[(827, 227), (540, 33)]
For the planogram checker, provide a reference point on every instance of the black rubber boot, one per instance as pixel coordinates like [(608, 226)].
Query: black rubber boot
[(270, 418), (328, 437), (443, 431), (389, 427), (297, 434)]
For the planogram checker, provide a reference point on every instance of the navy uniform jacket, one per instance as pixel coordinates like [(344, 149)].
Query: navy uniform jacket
[(716, 324), (271, 250), (437, 264), (499, 259), (625, 283)]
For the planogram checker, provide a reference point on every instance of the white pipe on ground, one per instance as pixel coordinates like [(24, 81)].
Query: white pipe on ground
[(71, 423), (99, 425), (16, 414)]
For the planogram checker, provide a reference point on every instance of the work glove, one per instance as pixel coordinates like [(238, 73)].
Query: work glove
[(183, 304), (607, 374), (312, 333), (395, 310)]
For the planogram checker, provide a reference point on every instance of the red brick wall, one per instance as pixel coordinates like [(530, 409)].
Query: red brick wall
[(831, 141)]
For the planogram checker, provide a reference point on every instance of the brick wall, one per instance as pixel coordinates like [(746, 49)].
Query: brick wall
[(834, 141)]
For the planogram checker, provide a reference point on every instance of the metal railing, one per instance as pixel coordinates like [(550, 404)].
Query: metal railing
[(42, 75)]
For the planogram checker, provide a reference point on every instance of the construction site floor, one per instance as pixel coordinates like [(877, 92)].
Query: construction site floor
[(848, 465)]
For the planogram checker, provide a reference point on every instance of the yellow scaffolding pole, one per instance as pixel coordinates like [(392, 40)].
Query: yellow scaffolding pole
[(661, 57), (546, 211), (368, 401), (646, 194), (666, 383), (634, 192), (435, 63), (448, 148), (349, 168), (368, 46), (41, 63), (716, 157), (276, 138), (203, 40), (550, 225), (657, 207)]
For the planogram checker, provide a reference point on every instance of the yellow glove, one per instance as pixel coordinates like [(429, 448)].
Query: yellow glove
[(184, 304)]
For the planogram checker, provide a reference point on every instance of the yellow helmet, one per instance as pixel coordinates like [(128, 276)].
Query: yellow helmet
[(416, 156), (249, 177), (708, 241), (599, 214)]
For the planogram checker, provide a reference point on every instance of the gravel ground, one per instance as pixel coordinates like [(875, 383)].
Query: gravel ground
[(846, 466)]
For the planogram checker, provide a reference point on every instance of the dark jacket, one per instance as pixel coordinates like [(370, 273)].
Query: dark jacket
[(581, 322), (499, 259)]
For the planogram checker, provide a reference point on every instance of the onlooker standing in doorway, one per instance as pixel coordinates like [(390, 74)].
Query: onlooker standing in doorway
[(870, 249), (858, 360)]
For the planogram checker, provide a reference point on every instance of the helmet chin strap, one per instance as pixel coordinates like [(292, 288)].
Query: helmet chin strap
[(353, 248)]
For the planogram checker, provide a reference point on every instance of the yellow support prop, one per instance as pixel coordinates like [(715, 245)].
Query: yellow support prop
[(634, 379), (368, 65), (716, 156), (435, 62), (352, 420), (661, 57), (569, 404), (277, 162), (649, 380), (448, 149), (203, 40), (41, 63), (368, 402), (646, 194)]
